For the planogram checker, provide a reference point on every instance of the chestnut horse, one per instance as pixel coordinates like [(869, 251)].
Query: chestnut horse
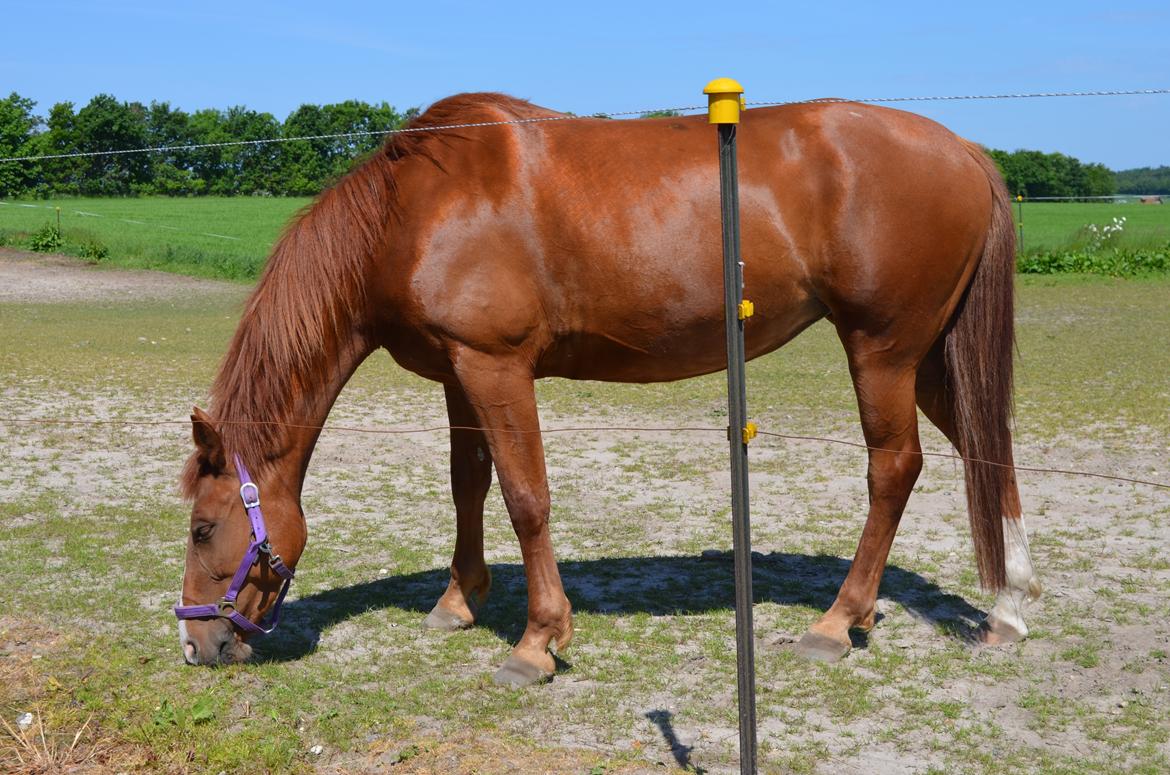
[(486, 257)]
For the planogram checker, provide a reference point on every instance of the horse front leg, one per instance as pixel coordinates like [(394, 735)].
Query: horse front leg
[(502, 394), (471, 476)]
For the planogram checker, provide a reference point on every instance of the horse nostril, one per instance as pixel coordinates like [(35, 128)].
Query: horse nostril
[(225, 654), (191, 652)]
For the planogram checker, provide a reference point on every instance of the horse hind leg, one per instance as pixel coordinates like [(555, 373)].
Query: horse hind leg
[(1005, 622), (885, 396), (471, 476)]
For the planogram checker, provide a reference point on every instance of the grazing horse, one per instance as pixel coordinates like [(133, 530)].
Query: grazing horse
[(486, 257)]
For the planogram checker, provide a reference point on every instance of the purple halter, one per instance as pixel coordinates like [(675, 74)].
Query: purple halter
[(226, 607)]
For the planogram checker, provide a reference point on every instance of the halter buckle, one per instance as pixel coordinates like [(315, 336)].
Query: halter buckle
[(224, 605), (254, 501)]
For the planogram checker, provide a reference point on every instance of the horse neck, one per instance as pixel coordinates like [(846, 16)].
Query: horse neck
[(297, 344), (272, 413), (306, 328), (308, 411)]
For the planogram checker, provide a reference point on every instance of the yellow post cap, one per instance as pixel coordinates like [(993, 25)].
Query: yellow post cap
[(723, 101)]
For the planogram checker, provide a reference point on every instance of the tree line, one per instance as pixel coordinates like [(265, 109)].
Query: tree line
[(295, 168), (1144, 180), (1035, 173), (305, 167)]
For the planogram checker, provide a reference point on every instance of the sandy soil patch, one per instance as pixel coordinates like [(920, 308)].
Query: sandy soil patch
[(35, 277)]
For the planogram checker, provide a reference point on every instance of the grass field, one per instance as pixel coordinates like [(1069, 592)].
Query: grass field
[(230, 238), (92, 548), (224, 237), (1053, 225)]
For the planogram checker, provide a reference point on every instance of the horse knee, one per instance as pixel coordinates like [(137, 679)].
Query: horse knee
[(529, 513)]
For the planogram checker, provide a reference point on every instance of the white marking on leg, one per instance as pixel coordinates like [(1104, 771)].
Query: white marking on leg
[(1022, 584)]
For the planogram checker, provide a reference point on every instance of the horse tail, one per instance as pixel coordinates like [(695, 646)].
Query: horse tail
[(978, 349)]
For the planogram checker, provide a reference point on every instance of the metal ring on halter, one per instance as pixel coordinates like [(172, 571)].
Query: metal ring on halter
[(250, 504)]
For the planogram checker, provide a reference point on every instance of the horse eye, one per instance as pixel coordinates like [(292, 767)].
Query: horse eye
[(202, 534)]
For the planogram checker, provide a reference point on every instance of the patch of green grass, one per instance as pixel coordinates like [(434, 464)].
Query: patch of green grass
[(222, 237), (1057, 225)]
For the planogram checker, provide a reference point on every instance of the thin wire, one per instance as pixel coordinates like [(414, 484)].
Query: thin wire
[(615, 114), (953, 98), (590, 429), (339, 135)]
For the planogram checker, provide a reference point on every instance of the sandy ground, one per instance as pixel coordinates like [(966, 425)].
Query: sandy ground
[(1100, 549), (33, 277)]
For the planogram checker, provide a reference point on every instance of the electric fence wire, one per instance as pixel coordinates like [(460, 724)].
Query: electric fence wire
[(569, 117), (586, 429)]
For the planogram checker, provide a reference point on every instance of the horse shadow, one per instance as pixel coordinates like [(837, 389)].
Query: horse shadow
[(680, 584)]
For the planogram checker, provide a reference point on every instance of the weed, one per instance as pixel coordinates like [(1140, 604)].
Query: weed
[(46, 239)]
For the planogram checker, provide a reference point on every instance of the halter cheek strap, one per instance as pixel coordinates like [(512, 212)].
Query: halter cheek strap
[(225, 608)]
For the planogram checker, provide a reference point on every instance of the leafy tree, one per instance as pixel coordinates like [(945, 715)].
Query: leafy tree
[(171, 171), (106, 124), (236, 169), (1144, 180), (311, 165), (1099, 180), (17, 125), (1036, 174), (58, 176)]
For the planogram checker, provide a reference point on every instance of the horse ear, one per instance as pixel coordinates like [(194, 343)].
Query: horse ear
[(208, 444)]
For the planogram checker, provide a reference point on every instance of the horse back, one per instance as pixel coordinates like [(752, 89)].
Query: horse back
[(592, 248)]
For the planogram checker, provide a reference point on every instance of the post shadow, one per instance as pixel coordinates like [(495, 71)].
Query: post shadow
[(679, 584), (680, 752)]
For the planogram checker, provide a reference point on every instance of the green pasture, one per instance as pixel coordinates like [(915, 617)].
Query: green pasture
[(223, 237), (230, 238), (1057, 225), (91, 556)]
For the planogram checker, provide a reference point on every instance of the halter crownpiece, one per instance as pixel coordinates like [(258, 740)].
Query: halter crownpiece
[(225, 607)]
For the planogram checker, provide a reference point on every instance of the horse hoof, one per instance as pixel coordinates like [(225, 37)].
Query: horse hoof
[(819, 648), (993, 632), (518, 673), (442, 619)]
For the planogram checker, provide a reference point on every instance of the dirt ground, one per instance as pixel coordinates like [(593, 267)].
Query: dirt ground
[(34, 277), (1092, 685)]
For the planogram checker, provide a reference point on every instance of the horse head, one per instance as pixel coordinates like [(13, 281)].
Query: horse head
[(239, 559)]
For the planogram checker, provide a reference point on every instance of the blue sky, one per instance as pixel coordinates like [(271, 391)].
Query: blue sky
[(608, 56)]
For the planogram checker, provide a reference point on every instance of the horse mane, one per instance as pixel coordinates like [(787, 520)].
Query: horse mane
[(311, 295)]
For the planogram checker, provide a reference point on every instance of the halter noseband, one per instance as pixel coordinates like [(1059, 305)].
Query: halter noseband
[(226, 606)]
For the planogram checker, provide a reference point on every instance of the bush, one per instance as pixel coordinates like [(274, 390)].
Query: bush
[(1118, 262), (46, 240), (92, 250)]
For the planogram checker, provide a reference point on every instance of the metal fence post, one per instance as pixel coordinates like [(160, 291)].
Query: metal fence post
[(1020, 223), (724, 103)]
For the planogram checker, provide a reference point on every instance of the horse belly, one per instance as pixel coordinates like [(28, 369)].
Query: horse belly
[(651, 346)]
